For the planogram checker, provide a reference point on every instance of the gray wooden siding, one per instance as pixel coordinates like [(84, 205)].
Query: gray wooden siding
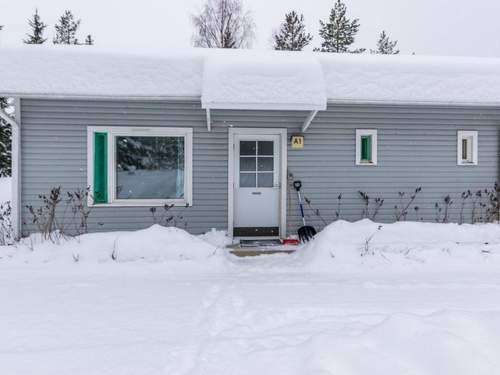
[(416, 147)]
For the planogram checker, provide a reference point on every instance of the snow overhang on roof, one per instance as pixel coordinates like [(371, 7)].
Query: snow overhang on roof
[(64, 71), (275, 81), (411, 79), (248, 79)]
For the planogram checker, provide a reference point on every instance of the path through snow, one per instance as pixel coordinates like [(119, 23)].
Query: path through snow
[(140, 318)]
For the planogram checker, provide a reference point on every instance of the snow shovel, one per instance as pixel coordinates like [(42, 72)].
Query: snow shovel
[(305, 232)]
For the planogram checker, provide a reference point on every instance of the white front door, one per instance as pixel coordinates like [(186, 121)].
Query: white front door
[(257, 185)]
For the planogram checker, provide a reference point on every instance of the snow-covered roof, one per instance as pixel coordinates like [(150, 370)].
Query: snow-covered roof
[(84, 72), (421, 79), (248, 79), (261, 81)]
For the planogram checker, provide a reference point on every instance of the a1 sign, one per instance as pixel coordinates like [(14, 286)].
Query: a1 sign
[(297, 142)]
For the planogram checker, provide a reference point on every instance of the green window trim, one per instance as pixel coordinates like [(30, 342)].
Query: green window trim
[(366, 148), (100, 187)]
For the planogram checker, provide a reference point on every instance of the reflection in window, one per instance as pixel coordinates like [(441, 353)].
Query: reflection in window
[(149, 167)]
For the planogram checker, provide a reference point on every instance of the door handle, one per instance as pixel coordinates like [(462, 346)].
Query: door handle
[(256, 192)]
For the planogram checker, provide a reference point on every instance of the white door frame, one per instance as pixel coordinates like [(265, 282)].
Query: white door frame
[(282, 133)]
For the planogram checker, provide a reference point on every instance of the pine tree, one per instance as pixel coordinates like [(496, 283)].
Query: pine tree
[(5, 143), (66, 29), (385, 46), (292, 35), (339, 32), (37, 28), (89, 41)]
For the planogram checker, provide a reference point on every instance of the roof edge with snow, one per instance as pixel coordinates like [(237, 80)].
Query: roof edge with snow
[(248, 79)]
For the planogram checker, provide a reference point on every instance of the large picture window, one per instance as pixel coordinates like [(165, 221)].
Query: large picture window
[(140, 166)]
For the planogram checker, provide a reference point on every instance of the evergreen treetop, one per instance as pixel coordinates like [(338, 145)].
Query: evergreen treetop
[(66, 29), (385, 46), (339, 31), (89, 41), (292, 35), (37, 28)]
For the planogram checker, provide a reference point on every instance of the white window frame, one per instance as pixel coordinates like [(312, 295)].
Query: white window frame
[(364, 132), (113, 132), (462, 134)]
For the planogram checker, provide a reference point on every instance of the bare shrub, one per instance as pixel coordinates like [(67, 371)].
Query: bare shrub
[(316, 211), (401, 210), (493, 206), (464, 196), (44, 217), (166, 218), (367, 211), (76, 200), (339, 206)]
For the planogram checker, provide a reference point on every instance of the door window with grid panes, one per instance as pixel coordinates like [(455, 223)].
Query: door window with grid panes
[(256, 164)]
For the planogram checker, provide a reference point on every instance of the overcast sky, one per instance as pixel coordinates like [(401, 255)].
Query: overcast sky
[(426, 27)]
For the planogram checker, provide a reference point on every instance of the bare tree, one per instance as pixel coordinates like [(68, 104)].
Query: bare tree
[(223, 24)]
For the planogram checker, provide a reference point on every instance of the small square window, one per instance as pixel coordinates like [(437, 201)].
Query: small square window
[(366, 147), (467, 147)]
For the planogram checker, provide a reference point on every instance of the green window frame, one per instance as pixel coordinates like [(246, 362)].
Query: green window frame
[(366, 148), (102, 168), (100, 186)]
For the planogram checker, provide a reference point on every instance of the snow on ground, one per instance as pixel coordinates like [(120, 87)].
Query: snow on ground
[(363, 298)]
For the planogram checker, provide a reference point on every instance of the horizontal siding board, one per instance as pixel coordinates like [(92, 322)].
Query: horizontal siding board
[(417, 147)]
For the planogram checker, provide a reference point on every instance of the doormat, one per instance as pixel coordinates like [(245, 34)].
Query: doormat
[(259, 243)]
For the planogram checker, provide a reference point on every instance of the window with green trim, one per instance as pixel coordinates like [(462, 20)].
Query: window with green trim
[(100, 186), (140, 166), (366, 147)]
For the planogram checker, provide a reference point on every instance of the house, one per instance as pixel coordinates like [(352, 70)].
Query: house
[(222, 134)]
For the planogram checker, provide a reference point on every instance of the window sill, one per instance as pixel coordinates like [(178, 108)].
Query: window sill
[(366, 163), (463, 163), (143, 203)]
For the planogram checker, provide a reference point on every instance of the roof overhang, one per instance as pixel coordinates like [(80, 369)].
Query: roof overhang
[(266, 106)]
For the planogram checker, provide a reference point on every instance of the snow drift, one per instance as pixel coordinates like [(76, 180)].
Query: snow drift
[(154, 244), (158, 243), (406, 243)]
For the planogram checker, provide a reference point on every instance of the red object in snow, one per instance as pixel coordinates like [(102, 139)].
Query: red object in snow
[(291, 241)]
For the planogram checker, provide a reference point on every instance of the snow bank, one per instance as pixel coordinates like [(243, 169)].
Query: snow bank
[(217, 238), (248, 79), (341, 246), (154, 244), (259, 81), (347, 244), (158, 243)]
